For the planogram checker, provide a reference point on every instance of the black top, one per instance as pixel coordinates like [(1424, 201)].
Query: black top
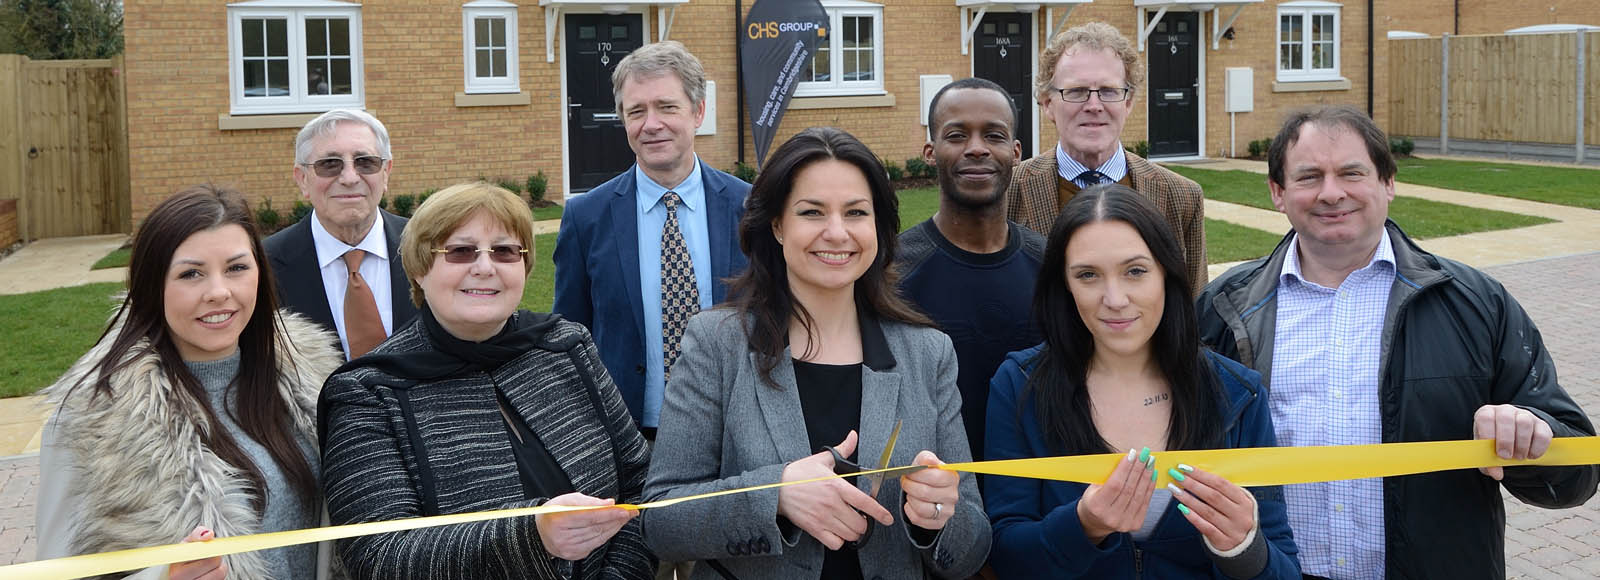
[(830, 398), (540, 474)]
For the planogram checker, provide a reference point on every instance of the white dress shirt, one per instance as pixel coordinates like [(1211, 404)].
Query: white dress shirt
[(375, 269)]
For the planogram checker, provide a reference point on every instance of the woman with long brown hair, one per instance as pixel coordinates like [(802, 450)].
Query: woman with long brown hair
[(194, 415)]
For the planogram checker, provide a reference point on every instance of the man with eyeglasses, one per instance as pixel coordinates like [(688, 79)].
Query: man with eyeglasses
[(340, 266), (1086, 83)]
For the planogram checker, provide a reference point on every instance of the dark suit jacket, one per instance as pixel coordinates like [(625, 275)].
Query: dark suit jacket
[(597, 268), (299, 281)]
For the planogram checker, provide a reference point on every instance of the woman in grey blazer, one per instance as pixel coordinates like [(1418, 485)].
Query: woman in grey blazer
[(816, 349)]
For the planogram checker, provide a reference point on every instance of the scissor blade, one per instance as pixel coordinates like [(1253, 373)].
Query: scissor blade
[(883, 460)]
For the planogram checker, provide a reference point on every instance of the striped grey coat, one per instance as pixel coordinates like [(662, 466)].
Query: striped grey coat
[(399, 449)]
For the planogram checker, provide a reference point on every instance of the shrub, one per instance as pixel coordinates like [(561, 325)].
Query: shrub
[(383, 203), (744, 171), (893, 169), (404, 204), (1259, 147), (537, 184), (916, 167), (1142, 149), (508, 184), (423, 197), (266, 217), (1402, 146), (301, 209)]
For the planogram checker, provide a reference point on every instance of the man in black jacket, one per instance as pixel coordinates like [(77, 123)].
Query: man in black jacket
[(1363, 337)]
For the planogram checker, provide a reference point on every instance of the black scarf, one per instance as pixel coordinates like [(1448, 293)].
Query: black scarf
[(452, 356)]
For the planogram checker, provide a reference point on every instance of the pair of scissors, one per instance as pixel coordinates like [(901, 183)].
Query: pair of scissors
[(843, 466)]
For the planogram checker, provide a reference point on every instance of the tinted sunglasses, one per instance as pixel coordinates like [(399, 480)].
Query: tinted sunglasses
[(464, 254), (333, 166)]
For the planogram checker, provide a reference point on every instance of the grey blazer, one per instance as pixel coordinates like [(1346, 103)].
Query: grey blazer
[(722, 428)]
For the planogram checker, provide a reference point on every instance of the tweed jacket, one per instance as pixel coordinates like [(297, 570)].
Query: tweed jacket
[(130, 470), (723, 428), (1033, 202), (397, 448)]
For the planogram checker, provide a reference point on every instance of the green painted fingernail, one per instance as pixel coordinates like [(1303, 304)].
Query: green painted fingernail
[(1153, 477), (1144, 455), (1184, 509), (1178, 475)]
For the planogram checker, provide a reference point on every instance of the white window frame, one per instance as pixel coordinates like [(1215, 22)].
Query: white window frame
[(836, 86), (512, 82), (1306, 10), (296, 12)]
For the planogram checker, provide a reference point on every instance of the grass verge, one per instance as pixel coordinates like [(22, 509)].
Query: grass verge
[(548, 213), (118, 258), (540, 291), (46, 331), (1421, 218), (1571, 186), (1229, 242)]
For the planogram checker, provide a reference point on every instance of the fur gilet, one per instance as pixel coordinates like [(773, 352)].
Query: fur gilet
[(144, 475)]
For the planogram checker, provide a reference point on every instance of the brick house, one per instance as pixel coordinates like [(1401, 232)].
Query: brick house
[(500, 89)]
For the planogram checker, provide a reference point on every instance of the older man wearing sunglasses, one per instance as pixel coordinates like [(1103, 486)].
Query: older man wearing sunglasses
[(341, 266)]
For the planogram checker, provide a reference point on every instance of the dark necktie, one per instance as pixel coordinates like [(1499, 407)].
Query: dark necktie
[(680, 297), (1091, 178), (363, 326)]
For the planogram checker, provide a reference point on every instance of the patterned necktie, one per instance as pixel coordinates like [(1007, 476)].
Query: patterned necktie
[(680, 297), (1090, 179), (363, 326)]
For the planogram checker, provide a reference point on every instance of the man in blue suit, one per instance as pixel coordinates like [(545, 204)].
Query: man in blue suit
[(642, 252)]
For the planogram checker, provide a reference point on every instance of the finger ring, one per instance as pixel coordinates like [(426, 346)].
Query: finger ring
[(938, 508)]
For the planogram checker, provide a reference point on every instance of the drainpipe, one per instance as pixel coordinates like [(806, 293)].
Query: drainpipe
[(738, 72), (1370, 20)]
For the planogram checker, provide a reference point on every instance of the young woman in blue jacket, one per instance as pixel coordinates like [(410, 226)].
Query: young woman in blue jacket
[(1121, 368)]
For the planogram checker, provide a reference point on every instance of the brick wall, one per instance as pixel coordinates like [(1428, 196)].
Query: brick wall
[(178, 86), (8, 223)]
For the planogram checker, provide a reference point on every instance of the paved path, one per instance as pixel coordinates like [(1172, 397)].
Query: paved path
[(59, 263)]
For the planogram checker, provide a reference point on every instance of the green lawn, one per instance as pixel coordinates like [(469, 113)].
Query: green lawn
[(1228, 242), (1574, 186), (46, 331), (917, 205), (548, 213), (540, 291), (1421, 218), (118, 258)]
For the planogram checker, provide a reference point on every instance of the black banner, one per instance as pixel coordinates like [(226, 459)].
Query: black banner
[(778, 41)]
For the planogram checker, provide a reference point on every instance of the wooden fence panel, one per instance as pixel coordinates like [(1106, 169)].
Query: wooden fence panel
[(1414, 87), (1514, 88), (1591, 111), (76, 175), (11, 150)]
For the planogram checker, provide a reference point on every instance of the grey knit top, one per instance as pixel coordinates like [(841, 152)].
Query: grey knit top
[(285, 508)]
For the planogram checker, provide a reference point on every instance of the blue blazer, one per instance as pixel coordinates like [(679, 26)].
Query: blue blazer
[(597, 268), (1036, 529)]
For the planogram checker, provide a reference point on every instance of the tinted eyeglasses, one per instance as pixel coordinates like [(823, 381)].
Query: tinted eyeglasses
[(465, 254), (333, 166)]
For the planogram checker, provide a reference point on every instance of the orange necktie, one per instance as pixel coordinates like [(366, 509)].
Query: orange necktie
[(363, 326)]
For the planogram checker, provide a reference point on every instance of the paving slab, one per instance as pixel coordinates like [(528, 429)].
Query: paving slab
[(59, 263)]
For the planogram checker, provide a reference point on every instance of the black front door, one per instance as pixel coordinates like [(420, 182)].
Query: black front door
[(1001, 55), (1174, 82), (598, 145)]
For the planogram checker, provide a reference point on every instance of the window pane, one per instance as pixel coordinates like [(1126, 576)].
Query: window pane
[(316, 37), (1322, 27), (1183, 26), (864, 65), (1013, 29), (342, 84), (497, 32), (317, 81), (480, 67), (480, 32), (852, 66), (255, 78), (864, 32), (820, 64), (254, 34), (586, 33), (278, 77), (278, 37), (1161, 27), (498, 57), (1322, 55), (1289, 28), (850, 33), (339, 37), (988, 29), (619, 31)]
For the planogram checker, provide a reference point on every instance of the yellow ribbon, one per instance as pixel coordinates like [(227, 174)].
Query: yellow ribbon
[(1244, 467)]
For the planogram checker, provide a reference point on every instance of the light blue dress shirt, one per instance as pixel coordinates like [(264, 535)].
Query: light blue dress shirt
[(652, 216), (1114, 168), (1324, 391)]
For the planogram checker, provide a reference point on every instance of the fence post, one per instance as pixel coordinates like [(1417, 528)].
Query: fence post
[(1583, 66), (1444, 94)]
